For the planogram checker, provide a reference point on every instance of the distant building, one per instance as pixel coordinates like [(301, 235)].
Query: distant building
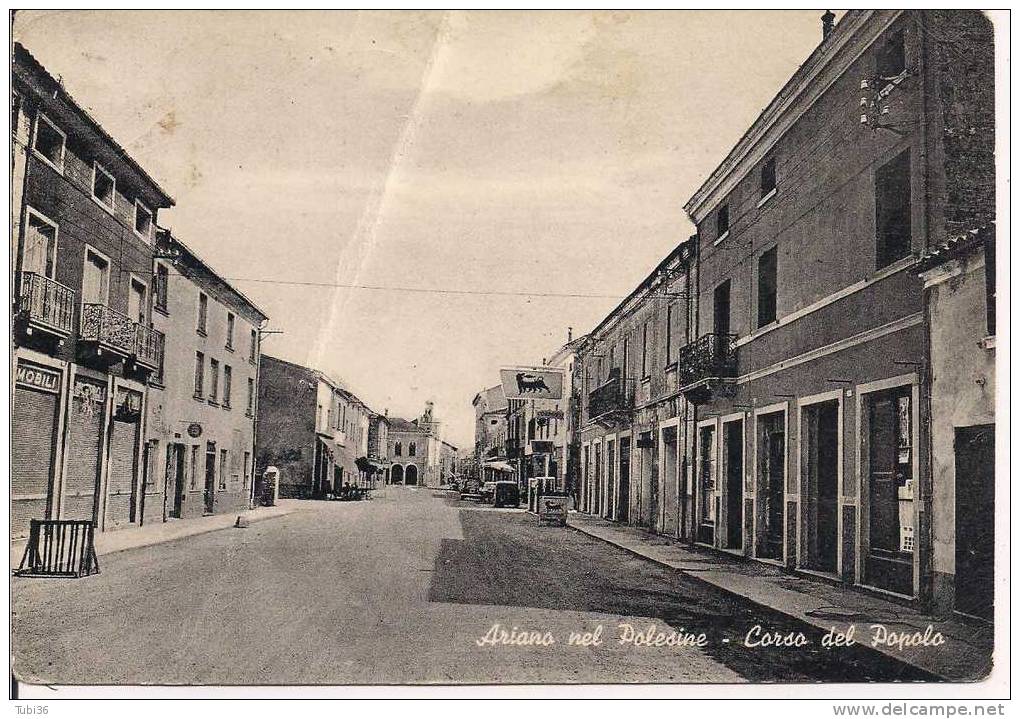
[(310, 428), (417, 453), (378, 447), (201, 410), (82, 245), (490, 432)]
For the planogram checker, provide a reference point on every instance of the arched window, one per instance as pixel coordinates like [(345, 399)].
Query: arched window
[(411, 449), (397, 449)]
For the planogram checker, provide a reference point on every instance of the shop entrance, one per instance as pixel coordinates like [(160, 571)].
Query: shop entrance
[(771, 485), (975, 512), (597, 485), (174, 480), (210, 477), (610, 479), (668, 483), (889, 559), (733, 459), (706, 485), (820, 477), (624, 512)]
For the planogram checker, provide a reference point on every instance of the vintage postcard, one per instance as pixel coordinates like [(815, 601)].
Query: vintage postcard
[(427, 352)]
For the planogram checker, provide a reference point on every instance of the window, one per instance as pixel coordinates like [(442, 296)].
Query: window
[(214, 379), (721, 309), (228, 381), (397, 449), (103, 186), (39, 254), (230, 331), (199, 375), (892, 210), (203, 312), (143, 221), (411, 449), (193, 467), (251, 397), (669, 335), (625, 366), (768, 177), (891, 60), (95, 286), (722, 222), (254, 347), (644, 350), (223, 469), (49, 142), (137, 301), (162, 287), (767, 287)]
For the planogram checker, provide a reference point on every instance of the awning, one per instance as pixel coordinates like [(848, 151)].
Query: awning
[(369, 465), (500, 466)]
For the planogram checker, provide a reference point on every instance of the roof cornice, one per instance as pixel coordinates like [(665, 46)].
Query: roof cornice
[(854, 33)]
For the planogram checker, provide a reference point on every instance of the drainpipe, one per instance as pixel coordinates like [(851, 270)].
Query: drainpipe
[(255, 415)]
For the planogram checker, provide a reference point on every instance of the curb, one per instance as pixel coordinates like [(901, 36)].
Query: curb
[(792, 615)]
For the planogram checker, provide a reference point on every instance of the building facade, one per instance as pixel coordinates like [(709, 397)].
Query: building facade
[(200, 420), (84, 218), (490, 433), (808, 374), (635, 427), (378, 448), (417, 453)]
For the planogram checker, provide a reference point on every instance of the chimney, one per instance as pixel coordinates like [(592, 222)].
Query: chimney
[(828, 21), (570, 334)]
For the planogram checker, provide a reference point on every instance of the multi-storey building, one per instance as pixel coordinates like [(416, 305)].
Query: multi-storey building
[(82, 245), (378, 447), (200, 421), (490, 432), (417, 452), (809, 368), (310, 428), (634, 424)]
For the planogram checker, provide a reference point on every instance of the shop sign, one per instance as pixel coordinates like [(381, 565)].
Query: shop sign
[(532, 382), (552, 510), (548, 414), (542, 446), (38, 377)]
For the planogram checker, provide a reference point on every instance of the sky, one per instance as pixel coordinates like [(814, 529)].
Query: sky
[(405, 193)]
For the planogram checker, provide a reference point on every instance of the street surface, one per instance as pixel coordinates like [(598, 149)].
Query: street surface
[(399, 589)]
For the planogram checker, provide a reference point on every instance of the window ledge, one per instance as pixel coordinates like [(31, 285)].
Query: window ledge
[(987, 343), (198, 397), (769, 196), (48, 161), (227, 407), (228, 348), (161, 310), (109, 210), (721, 237), (214, 403), (201, 332), (646, 379)]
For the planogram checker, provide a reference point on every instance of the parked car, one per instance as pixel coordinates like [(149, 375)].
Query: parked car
[(506, 494)]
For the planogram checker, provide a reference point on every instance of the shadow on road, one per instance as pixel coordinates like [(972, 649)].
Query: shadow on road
[(506, 559)]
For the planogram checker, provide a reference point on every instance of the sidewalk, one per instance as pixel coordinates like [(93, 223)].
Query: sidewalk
[(965, 655), (129, 538)]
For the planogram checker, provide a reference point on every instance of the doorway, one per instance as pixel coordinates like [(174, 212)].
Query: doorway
[(771, 485), (174, 480), (975, 520), (706, 485), (411, 474), (210, 477), (397, 474), (821, 485), (624, 513), (610, 479), (597, 484), (733, 460)]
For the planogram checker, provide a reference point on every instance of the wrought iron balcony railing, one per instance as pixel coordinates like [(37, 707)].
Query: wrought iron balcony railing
[(711, 355), (108, 328), (610, 397), (148, 346), (47, 304)]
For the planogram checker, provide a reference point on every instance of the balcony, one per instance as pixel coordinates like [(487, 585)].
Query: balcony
[(148, 350), (610, 402), (707, 366), (46, 305), (109, 331)]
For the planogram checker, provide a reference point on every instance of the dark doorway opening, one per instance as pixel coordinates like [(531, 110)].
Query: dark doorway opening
[(733, 456), (821, 464), (624, 513), (174, 480), (706, 485), (975, 520), (411, 474), (210, 477), (771, 484)]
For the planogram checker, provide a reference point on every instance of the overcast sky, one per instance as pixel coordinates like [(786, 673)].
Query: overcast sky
[(482, 152)]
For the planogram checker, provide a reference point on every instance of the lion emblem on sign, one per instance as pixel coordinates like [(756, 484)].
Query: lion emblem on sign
[(527, 382)]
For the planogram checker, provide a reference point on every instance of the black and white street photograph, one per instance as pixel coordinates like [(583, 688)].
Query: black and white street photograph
[(510, 353)]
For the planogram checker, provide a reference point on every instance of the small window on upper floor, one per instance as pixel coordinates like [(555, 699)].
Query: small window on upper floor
[(767, 286), (892, 59), (162, 287), (253, 348), (768, 177), (49, 142), (143, 221), (722, 221), (230, 331), (104, 187), (892, 210), (203, 313)]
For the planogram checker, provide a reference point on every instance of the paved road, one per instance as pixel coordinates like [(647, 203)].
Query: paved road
[(397, 590)]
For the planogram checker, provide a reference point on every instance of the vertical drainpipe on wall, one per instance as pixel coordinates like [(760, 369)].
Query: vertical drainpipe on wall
[(926, 579), (255, 416)]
